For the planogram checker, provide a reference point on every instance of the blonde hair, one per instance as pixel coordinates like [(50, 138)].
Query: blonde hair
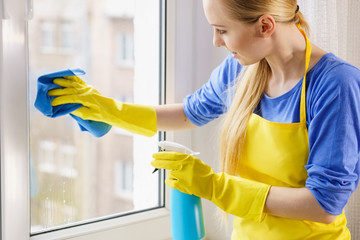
[(250, 88)]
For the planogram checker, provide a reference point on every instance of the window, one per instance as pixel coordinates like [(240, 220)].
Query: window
[(47, 36), (67, 35), (125, 49), (46, 156), (123, 178), (80, 177), (79, 184)]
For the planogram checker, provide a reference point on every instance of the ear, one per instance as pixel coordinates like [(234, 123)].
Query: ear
[(267, 25)]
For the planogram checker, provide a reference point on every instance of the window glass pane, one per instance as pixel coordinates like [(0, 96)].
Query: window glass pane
[(76, 177)]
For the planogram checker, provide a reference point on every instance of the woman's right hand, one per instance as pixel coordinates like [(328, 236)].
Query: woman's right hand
[(138, 119)]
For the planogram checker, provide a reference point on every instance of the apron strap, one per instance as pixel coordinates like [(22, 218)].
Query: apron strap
[(303, 89)]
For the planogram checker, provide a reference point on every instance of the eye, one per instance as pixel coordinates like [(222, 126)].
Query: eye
[(221, 32)]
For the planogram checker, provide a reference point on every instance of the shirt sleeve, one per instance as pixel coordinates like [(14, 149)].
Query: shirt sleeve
[(212, 99), (334, 138)]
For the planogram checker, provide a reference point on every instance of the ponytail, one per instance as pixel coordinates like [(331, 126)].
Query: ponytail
[(300, 19), (248, 94)]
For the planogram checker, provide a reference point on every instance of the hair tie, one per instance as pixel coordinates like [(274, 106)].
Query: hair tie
[(297, 9)]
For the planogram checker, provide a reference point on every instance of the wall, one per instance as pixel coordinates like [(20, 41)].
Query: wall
[(193, 56)]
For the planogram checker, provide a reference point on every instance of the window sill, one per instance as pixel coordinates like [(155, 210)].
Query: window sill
[(122, 226)]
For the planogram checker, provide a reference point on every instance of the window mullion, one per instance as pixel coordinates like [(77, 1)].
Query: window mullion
[(14, 123)]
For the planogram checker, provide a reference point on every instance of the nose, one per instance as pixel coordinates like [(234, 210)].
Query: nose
[(217, 40)]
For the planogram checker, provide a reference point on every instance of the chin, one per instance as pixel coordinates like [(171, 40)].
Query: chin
[(246, 62)]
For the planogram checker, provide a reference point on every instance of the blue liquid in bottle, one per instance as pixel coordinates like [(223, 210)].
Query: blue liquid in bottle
[(187, 222)]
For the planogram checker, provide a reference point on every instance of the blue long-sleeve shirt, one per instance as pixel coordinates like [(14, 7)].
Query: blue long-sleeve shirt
[(333, 121)]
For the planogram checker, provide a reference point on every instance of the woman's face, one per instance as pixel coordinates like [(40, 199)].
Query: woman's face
[(243, 40)]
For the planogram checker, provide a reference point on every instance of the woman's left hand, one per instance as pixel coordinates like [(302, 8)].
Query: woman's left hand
[(235, 195), (188, 174)]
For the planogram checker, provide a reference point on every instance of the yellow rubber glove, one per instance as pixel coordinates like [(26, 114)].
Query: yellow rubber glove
[(135, 118), (234, 195)]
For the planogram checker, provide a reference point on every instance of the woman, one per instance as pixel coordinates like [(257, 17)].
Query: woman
[(290, 142)]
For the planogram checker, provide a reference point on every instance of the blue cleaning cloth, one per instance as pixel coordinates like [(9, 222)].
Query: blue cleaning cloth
[(43, 103)]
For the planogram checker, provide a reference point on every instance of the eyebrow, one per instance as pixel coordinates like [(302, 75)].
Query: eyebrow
[(217, 25)]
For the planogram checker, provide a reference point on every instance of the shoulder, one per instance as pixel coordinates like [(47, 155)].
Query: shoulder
[(332, 80), (210, 101), (333, 71), (223, 77), (227, 71), (331, 75)]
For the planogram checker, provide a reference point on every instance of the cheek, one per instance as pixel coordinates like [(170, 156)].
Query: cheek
[(248, 53), (240, 44), (250, 47)]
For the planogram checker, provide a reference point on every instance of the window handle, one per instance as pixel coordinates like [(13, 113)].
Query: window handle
[(29, 9), (4, 14)]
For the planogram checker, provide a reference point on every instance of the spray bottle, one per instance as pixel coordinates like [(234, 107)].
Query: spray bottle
[(187, 222)]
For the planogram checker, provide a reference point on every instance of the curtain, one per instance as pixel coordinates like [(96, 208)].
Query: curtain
[(335, 27)]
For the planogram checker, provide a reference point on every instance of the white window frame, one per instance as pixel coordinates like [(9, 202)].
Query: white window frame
[(14, 143)]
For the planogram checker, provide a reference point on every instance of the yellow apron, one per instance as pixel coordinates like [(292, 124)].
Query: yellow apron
[(276, 153)]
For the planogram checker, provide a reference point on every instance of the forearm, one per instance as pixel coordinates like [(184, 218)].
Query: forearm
[(172, 117), (296, 203)]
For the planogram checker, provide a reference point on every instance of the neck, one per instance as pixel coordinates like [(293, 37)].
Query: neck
[(287, 60)]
